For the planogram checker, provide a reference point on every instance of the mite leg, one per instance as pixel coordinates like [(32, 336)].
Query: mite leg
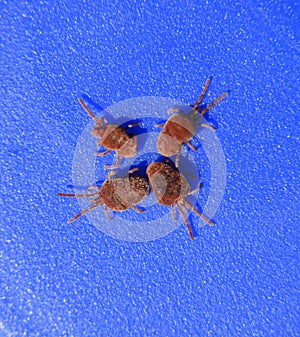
[(177, 157), (175, 109), (88, 110), (191, 146), (208, 126), (82, 213), (76, 195), (198, 213), (99, 142), (94, 188), (173, 213), (139, 210), (101, 154), (186, 222), (202, 112), (111, 173), (114, 173), (196, 189), (101, 120), (131, 125), (135, 169), (116, 165), (107, 214), (202, 94), (187, 174), (159, 125)]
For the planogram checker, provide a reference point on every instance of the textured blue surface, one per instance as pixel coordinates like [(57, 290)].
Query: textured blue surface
[(240, 278)]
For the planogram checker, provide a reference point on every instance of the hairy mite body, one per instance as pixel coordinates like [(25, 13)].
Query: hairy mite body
[(171, 189), (113, 138), (117, 194), (180, 128)]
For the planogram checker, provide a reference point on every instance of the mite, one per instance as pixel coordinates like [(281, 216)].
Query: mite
[(171, 189), (113, 137), (117, 194), (180, 128)]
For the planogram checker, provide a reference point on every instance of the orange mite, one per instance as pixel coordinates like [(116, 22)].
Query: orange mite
[(171, 189), (117, 194), (180, 128), (112, 137)]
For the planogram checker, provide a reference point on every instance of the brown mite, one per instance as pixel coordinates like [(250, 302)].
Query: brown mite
[(117, 194), (180, 128), (112, 137), (171, 189)]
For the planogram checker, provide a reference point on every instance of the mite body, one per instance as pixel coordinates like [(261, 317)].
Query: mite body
[(113, 137), (117, 194), (171, 189), (180, 128)]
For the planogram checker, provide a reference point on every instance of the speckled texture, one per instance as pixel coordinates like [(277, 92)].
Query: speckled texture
[(239, 278)]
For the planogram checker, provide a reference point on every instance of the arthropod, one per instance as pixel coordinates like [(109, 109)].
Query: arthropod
[(117, 194), (180, 128), (171, 189), (113, 137)]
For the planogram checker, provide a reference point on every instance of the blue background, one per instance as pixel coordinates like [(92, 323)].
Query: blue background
[(240, 278)]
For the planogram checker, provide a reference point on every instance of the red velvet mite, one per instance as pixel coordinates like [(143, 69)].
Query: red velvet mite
[(117, 194), (113, 137), (171, 189), (180, 128)]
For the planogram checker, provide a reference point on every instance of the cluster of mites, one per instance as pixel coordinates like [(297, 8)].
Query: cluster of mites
[(170, 187)]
